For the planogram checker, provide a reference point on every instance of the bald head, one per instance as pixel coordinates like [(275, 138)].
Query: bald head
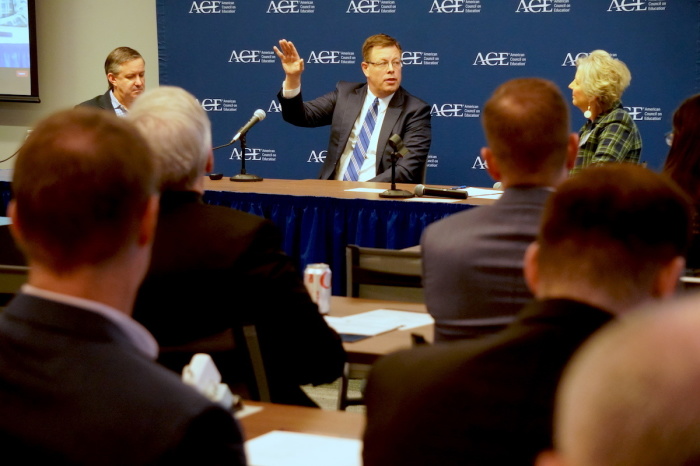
[(630, 396)]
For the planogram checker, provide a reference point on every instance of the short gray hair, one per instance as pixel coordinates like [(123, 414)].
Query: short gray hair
[(178, 132)]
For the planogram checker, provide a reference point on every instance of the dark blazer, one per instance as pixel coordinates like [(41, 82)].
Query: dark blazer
[(215, 268), (473, 264), (478, 402), (75, 390), (406, 115), (101, 101)]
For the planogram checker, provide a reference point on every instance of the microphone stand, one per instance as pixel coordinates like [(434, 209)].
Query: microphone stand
[(394, 193), (243, 175)]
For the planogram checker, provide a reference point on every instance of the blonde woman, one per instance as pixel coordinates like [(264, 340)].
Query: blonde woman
[(609, 134)]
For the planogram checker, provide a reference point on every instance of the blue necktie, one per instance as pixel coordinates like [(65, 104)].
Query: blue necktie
[(362, 144)]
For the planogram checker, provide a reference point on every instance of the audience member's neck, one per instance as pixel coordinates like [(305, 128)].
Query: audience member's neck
[(96, 283), (591, 295), (198, 185), (536, 180)]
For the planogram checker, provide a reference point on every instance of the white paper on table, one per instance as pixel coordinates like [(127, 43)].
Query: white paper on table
[(347, 326), (366, 190), (432, 199), (279, 448), (380, 320), (489, 196), (481, 192)]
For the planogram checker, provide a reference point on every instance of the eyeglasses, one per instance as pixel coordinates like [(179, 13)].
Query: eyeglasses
[(383, 65)]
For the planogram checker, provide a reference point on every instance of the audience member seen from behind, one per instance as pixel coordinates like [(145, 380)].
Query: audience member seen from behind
[(78, 380), (216, 268), (683, 164), (612, 238), (358, 149), (473, 261), (609, 134), (630, 395), (126, 76)]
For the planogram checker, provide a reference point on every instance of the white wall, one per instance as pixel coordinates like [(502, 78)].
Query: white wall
[(74, 38)]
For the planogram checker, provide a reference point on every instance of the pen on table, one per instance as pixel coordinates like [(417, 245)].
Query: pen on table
[(459, 187)]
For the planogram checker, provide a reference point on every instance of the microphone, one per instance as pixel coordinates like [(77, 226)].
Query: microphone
[(396, 143), (421, 190), (257, 116), (497, 185)]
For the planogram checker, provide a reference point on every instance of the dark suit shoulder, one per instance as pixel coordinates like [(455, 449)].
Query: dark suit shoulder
[(102, 101)]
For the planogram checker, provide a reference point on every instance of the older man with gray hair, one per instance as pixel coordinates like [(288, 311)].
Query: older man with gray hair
[(216, 268)]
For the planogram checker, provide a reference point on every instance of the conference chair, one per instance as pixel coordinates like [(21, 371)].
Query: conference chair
[(12, 277), (375, 273), (238, 348), (389, 274)]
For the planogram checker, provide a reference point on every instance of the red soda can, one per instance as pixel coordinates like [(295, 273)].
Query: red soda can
[(317, 278)]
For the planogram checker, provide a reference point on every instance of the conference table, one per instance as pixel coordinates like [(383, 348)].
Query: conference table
[(272, 416), (318, 218), (366, 352)]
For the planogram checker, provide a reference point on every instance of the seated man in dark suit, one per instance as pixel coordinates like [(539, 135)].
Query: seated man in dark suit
[(358, 148), (630, 394), (612, 238), (473, 260), (78, 380), (216, 268), (126, 76)]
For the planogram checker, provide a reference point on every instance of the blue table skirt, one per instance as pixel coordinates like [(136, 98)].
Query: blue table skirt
[(317, 229)]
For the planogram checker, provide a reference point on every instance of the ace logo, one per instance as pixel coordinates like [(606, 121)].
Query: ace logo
[(206, 7), (447, 6), (534, 6), (628, 5)]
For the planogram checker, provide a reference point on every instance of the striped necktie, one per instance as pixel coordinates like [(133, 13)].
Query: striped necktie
[(362, 144)]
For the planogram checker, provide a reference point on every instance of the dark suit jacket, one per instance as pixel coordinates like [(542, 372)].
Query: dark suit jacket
[(215, 268), (101, 101), (478, 402), (75, 390), (406, 115), (473, 264)]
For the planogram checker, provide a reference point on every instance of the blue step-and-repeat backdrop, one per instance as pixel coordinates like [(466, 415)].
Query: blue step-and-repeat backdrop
[(455, 53)]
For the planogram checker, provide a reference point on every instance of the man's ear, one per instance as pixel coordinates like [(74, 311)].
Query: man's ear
[(667, 277), (531, 269), (149, 221), (111, 78), (491, 164), (572, 151), (365, 67), (209, 167), (15, 227)]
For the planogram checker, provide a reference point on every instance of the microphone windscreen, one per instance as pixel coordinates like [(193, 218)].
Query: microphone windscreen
[(260, 113), (419, 190), (497, 185)]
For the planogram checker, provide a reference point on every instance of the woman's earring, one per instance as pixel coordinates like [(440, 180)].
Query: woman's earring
[(588, 113)]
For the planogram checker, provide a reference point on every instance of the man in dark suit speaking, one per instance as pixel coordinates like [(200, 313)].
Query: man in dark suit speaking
[(78, 380), (362, 116)]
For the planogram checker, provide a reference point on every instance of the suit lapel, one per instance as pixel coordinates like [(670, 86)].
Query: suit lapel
[(391, 117), (352, 110)]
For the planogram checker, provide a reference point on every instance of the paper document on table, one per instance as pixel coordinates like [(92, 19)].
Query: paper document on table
[(379, 321), (484, 193), (366, 190), (432, 199), (279, 448)]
